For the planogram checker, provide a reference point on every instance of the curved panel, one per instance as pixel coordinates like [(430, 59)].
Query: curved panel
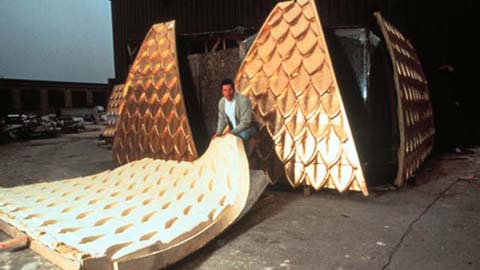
[(288, 76), (113, 109), (415, 116), (153, 121), (147, 213)]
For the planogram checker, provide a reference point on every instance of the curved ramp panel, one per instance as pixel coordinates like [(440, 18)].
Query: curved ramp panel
[(153, 121), (143, 215), (415, 115), (289, 79), (116, 100)]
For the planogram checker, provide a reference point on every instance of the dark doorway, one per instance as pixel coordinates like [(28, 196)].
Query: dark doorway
[(30, 100), (5, 102), (79, 99), (56, 99)]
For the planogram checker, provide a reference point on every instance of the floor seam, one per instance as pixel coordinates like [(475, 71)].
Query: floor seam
[(413, 222)]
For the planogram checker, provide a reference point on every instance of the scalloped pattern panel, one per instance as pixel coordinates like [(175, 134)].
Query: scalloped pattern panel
[(415, 108), (288, 76), (153, 122), (117, 97), (142, 207)]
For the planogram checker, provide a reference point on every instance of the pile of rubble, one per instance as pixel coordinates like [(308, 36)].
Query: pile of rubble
[(15, 127)]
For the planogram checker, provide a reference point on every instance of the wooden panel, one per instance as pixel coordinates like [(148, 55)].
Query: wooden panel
[(145, 209), (288, 76), (415, 115), (115, 102), (153, 120), (44, 251)]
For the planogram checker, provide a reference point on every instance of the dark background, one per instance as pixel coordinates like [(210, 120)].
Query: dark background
[(441, 31)]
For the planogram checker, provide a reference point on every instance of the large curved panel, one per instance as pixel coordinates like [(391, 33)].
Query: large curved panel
[(153, 121), (117, 97), (289, 79), (415, 116), (146, 214)]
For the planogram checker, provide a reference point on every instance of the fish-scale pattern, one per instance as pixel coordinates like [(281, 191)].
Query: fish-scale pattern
[(153, 122), (141, 208), (415, 114), (288, 76), (117, 97)]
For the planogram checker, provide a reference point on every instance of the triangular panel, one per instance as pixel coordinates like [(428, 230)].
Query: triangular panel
[(289, 78), (153, 122)]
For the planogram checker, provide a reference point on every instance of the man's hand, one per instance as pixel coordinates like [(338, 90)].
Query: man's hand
[(225, 132)]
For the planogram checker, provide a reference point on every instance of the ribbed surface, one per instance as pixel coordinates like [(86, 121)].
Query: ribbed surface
[(415, 114), (113, 109), (153, 122), (289, 79)]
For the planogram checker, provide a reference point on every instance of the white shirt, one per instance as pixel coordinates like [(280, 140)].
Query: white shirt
[(230, 112)]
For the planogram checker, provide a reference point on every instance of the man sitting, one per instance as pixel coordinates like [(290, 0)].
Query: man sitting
[(234, 111)]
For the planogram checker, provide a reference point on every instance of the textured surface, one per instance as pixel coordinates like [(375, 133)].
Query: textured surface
[(153, 122), (113, 109), (143, 207), (289, 79), (415, 115)]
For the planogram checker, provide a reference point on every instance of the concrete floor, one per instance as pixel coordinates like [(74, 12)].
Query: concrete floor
[(434, 224)]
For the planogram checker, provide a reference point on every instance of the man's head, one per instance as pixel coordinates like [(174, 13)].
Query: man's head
[(228, 89)]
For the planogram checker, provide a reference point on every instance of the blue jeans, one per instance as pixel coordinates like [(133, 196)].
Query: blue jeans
[(247, 133)]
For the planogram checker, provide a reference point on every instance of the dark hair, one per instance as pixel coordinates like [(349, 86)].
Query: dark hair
[(227, 82)]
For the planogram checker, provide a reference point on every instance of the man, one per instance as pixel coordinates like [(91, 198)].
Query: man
[(234, 111)]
